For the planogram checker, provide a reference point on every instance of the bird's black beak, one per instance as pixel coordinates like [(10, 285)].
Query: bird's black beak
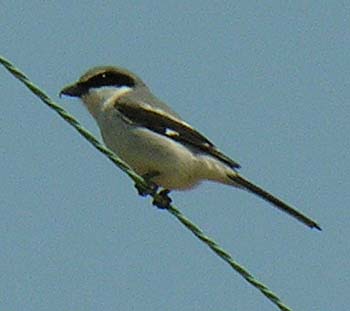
[(73, 90)]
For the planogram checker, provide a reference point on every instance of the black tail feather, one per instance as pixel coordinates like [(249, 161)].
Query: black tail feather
[(246, 184)]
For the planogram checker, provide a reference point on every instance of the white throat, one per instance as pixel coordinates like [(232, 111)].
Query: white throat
[(96, 99)]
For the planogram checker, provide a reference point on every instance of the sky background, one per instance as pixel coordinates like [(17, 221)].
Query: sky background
[(268, 82)]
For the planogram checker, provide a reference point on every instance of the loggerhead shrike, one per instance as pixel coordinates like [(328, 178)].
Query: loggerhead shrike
[(153, 139)]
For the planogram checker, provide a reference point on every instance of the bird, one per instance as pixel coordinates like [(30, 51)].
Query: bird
[(155, 141)]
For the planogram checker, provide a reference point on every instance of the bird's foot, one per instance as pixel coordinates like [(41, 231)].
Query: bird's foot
[(145, 190), (151, 188), (162, 199)]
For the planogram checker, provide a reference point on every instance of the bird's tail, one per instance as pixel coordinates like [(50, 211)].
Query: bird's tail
[(247, 185)]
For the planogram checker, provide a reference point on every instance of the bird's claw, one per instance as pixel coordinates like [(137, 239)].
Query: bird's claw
[(162, 199), (145, 190)]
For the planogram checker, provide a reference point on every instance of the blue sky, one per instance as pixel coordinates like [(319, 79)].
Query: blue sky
[(268, 82)]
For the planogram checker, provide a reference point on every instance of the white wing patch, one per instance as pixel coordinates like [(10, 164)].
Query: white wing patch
[(171, 133)]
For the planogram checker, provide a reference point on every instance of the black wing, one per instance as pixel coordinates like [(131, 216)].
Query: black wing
[(164, 124)]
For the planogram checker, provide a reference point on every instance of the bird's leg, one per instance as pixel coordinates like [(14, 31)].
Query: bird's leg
[(152, 187), (162, 199)]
